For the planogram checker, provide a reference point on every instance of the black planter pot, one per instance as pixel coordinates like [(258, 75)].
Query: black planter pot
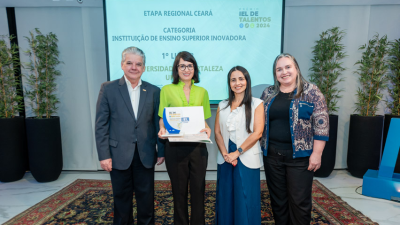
[(388, 118), (44, 147), (365, 140), (329, 154), (13, 153)]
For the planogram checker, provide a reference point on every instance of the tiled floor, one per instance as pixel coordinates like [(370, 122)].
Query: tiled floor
[(15, 197)]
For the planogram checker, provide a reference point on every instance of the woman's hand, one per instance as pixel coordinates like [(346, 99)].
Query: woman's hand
[(162, 129), (160, 160), (207, 130), (234, 163), (315, 161), (226, 157), (315, 157), (162, 132), (231, 157)]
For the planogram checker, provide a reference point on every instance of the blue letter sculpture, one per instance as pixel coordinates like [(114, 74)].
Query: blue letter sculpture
[(384, 183)]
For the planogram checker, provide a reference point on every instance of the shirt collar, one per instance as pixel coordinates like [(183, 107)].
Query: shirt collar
[(181, 83), (130, 85)]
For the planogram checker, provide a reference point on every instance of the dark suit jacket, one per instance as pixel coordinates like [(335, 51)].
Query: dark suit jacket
[(118, 132)]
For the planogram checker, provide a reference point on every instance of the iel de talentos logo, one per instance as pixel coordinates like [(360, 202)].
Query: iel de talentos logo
[(252, 18)]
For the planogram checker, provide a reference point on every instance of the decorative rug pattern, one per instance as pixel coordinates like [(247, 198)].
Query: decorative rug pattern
[(90, 202)]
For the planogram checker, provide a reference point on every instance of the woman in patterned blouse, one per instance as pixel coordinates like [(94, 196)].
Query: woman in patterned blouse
[(296, 130)]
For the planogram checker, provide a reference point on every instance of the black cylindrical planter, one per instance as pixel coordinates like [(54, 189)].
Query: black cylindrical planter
[(388, 118), (44, 147), (329, 154), (365, 139), (13, 153)]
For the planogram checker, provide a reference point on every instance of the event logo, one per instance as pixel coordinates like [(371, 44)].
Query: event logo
[(252, 18)]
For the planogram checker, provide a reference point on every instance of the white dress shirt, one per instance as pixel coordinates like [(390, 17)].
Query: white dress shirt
[(134, 95)]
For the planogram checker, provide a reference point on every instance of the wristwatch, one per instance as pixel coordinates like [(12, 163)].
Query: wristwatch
[(240, 150)]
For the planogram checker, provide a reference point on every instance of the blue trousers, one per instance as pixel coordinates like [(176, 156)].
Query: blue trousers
[(238, 194)]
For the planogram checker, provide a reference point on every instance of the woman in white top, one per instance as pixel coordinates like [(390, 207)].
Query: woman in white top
[(239, 125)]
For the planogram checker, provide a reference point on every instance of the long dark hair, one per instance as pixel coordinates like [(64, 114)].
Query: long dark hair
[(186, 56), (247, 99), (299, 80)]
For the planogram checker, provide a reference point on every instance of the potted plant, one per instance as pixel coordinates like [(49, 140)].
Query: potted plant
[(43, 130), (13, 155), (326, 71), (365, 135), (393, 102)]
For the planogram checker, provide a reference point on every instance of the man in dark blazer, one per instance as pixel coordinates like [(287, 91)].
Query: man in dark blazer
[(126, 138)]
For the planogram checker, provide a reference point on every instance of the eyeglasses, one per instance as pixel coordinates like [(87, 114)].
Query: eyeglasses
[(183, 67)]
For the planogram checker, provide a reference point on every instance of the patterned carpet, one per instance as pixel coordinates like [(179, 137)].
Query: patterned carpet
[(90, 202)]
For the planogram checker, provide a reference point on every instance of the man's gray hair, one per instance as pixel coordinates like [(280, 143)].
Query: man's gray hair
[(135, 51)]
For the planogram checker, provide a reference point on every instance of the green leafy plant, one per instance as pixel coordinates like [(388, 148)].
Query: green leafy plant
[(394, 77), (327, 66), (372, 70), (43, 53), (9, 66)]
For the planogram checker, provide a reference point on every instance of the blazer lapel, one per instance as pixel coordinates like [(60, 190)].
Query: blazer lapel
[(142, 100), (123, 89)]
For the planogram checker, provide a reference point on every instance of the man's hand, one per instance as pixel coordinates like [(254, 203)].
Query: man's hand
[(106, 164), (160, 160)]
